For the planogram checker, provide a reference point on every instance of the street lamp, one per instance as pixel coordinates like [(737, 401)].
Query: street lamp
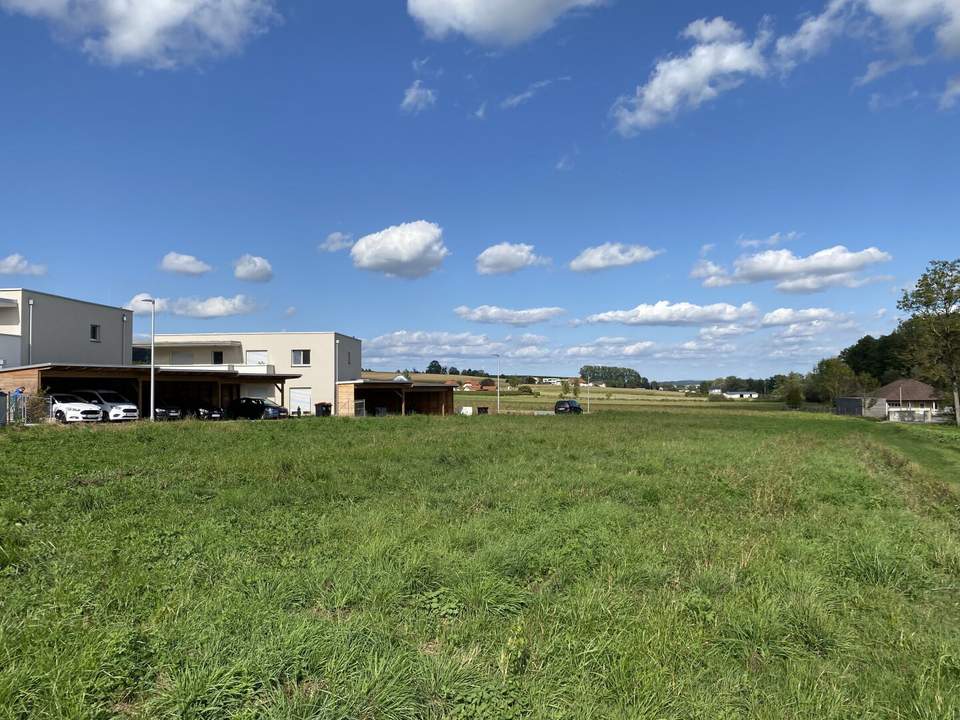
[(498, 383), (153, 358)]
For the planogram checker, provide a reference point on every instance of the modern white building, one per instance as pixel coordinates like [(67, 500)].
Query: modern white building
[(37, 327), (321, 359)]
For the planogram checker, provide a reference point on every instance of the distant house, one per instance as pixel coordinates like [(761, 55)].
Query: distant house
[(470, 386), (900, 401), (716, 391), (740, 395)]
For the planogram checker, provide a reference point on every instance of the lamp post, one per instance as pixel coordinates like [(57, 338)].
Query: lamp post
[(498, 384), (589, 383), (336, 377), (153, 358)]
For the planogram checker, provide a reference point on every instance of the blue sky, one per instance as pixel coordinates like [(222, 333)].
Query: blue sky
[(693, 191)]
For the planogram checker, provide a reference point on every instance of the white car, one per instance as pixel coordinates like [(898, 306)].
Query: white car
[(114, 407), (68, 408)]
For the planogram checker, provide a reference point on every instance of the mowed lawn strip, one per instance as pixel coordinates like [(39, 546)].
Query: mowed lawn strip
[(650, 564)]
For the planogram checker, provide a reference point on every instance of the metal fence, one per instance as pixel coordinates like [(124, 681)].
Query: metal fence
[(360, 408), (25, 409)]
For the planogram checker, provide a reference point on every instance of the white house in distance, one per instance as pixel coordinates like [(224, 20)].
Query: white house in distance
[(741, 395), (37, 327), (321, 359)]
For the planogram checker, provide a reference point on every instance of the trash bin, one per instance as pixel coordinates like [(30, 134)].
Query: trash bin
[(323, 409)]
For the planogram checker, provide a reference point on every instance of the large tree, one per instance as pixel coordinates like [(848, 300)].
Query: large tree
[(934, 333), (833, 378)]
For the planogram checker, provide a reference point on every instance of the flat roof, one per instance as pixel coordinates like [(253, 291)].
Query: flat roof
[(64, 297), (259, 332), (145, 369), (190, 343), (396, 383)]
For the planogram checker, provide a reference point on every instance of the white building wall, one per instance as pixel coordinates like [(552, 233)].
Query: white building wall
[(317, 377), (61, 329)]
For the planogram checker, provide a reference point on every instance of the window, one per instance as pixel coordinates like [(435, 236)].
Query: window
[(218, 357), (94, 333), (300, 357), (349, 358)]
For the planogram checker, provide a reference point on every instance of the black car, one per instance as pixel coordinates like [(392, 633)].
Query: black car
[(567, 407), (208, 413), (167, 412), (257, 409)]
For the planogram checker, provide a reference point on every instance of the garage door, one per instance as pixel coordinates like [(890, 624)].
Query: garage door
[(300, 399), (257, 357)]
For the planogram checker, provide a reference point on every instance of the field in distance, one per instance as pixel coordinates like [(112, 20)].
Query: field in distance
[(662, 563)]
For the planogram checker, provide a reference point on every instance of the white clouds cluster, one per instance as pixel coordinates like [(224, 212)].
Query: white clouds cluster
[(492, 314), (508, 258), (411, 250), (772, 241), (203, 308), (674, 314), (337, 241), (418, 98), (721, 59), (17, 264), (157, 33), (432, 345), (611, 347), (252, 268), (789, 316), (493, 22), (175, 262), (612, 255), (833, 267)]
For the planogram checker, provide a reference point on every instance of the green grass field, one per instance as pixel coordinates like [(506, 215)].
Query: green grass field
[(661, 563)]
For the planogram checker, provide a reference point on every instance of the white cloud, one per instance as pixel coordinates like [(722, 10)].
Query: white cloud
[(789, 316), (156, 33), (204, 308), (481, 112), (612, 255), (17, 264), (951, 95), (432, 345), (815, 35), (290, 311), (497, 315), (706, 249), (183, 264), (252, 268), (337, 241), (611, 347), (899, 20), (696, 350), (493, 22), (214, 307), (670, 314), (411, 250), (527, 95), (508, 258), (772, 241), (718, 332), (833, 267), (418, 98), (720, 60)]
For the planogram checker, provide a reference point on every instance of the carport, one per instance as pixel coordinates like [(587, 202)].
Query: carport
[(178, 387), (399, 396)]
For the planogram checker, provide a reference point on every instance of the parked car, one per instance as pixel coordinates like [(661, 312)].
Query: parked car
[(167, 412), (208, 413), (68, 408), (114, 407), (257, 409), (567, 407)]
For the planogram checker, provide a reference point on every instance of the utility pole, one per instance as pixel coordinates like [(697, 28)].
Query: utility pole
[(498, 384)]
